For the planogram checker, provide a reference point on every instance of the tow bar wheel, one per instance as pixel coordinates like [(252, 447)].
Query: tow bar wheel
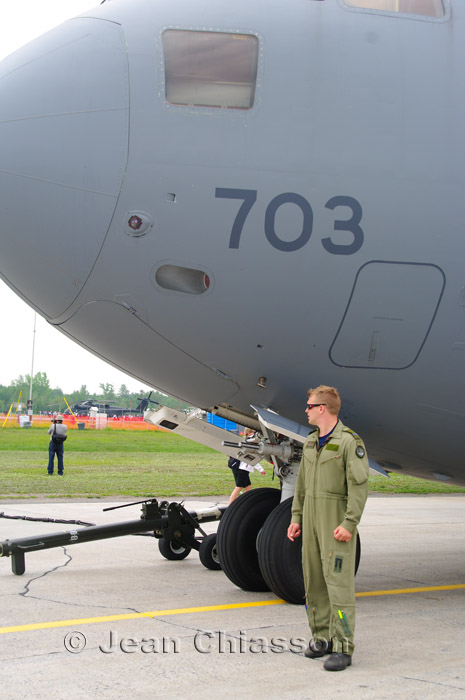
[(208, 553), (173, 550)]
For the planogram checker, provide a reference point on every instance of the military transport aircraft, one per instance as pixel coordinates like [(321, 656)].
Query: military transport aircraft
[(236, 201)]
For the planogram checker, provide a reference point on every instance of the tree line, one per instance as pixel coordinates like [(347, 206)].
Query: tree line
[(47, 399)]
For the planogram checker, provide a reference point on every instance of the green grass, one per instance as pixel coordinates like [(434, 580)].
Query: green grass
[(108, 440), (398, 483), (101, 463)]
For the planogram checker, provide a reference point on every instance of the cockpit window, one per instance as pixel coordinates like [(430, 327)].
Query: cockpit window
[(211, 69), (428, 8)]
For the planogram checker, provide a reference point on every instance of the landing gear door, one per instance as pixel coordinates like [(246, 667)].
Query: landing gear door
[(194, 426)]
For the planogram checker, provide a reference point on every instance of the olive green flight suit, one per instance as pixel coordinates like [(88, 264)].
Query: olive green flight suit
[(331, 490)]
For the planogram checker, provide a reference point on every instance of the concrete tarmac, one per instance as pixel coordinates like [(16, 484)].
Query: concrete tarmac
[(113, 618)]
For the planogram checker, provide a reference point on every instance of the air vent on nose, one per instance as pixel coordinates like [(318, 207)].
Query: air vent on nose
[(182, 279)]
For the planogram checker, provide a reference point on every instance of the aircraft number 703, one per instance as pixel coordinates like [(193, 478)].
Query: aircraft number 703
[(249, 198)]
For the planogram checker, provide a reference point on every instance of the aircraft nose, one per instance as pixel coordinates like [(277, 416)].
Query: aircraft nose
[(64, 103)]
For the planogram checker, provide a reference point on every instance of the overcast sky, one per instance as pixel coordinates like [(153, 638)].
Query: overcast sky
[(67, 365)]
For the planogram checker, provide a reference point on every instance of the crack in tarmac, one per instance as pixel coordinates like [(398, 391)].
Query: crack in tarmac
[(50, 571), (444, 685), (27, 594), (238, 637), (401, 579)]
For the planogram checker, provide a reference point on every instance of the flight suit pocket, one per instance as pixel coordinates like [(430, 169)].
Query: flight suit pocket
[(332, 476), (358, 472), (336, 564)]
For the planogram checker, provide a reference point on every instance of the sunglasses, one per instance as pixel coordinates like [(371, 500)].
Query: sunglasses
[(312, 405)]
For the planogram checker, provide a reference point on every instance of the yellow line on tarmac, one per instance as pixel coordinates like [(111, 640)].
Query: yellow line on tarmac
[(134, 616), (400, 591), (206, 608)]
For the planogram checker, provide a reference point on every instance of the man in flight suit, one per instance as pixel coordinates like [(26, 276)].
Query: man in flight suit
[(331, 491)]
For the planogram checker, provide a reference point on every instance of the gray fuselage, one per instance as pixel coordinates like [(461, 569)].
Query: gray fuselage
[(313, 236)]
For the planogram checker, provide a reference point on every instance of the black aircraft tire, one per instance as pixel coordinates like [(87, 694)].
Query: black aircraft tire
[(280, 559), (172, 550), (237, 537), (358, 553), (208, 553)]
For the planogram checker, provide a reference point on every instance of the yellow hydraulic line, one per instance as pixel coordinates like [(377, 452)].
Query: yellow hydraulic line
[(7, 416), (69, 407), (17, 404)]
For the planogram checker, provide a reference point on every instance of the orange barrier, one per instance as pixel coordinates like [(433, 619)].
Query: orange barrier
[(120, 423)]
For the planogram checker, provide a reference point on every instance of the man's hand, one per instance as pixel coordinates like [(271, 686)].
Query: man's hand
[(340, 534), (294, 530)]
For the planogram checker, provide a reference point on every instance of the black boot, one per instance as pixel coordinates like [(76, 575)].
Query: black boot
[(318, 649), (337, 662)]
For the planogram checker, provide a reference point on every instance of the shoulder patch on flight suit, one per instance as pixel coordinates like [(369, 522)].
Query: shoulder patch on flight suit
[(360, 452)]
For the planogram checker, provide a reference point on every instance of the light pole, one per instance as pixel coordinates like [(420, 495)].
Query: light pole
[(30, 402)]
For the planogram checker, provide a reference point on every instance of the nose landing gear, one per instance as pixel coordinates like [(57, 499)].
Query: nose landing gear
[(238, 531), (254, 550)]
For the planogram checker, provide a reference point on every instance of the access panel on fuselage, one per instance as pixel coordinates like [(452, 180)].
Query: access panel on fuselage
[(389, 315)]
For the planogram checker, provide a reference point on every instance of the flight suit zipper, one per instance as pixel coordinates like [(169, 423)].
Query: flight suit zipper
[(313, 490)]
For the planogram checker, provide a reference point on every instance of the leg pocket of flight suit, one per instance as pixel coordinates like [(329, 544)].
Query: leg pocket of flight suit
[(340, 567)]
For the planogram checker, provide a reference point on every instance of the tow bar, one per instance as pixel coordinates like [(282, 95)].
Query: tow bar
[(169, 521)]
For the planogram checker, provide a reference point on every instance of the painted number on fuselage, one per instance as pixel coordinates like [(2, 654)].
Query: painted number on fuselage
[(249, 198)]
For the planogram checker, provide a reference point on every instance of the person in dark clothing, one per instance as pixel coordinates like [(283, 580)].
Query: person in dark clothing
[(57, 432), (241, 475)]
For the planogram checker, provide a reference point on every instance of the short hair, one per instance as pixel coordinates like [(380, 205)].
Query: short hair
[(327, 395)]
